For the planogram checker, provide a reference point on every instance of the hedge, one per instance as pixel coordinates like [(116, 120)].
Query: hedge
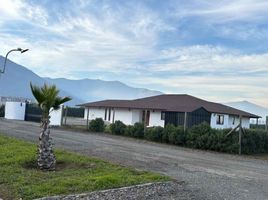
[(117, 128), (97, 125), (201, 136)]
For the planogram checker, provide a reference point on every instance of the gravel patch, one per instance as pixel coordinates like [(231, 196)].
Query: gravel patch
[(149, 191)]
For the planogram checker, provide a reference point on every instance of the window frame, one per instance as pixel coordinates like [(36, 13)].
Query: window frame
[(163, 115), (218, 119), (105, 114)]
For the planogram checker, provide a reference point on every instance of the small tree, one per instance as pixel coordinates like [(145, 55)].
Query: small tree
[(48, 100)]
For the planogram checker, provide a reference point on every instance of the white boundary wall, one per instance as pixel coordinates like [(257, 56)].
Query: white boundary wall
[(56, 117), (15, 110)]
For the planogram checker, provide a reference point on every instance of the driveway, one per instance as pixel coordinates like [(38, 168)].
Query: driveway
[(207, 175)]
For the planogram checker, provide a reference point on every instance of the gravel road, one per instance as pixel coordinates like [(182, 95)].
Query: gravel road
[(208, 175)]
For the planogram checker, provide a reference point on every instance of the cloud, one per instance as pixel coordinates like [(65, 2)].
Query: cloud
[(212, 49), (213, 87), (20, 10), (225, 11), (210, 59)]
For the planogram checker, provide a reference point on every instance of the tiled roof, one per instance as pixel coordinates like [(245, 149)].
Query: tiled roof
[(171, 102)]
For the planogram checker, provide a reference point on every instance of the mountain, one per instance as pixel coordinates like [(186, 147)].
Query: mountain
[(252, 108), (94, 89), (15, 82)]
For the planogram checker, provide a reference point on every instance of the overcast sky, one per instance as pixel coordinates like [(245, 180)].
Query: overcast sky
[(217, 50)]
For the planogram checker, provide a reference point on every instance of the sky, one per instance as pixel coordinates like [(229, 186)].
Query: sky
[(216, 50)]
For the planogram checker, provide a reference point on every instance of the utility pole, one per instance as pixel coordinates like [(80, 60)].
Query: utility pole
[(185, 122), (240, 134), (266, 123)]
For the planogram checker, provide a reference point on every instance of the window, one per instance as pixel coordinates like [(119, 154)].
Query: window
[(146, 117), (233, 120), (220, 119), (163, 115), (105, 116), (109, 116)]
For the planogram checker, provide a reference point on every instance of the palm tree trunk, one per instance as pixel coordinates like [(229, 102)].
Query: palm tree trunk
[(46, 158)]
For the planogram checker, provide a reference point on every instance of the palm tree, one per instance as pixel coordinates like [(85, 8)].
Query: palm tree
[(48, 100)]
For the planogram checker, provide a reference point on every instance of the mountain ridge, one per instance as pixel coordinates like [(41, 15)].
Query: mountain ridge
[(252, 108), (16, 83)]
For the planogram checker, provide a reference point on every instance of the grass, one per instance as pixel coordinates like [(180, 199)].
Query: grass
[(261, 156), (20, 178)]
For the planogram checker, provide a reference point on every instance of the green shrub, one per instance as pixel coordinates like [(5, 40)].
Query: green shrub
[(255, 141), (154, 133), (166, 132), (200, 136), (129, 131), (107, 129), (138, 130), (96, 125), (197, 136), (169, 134), (118, 127), (177, 136)]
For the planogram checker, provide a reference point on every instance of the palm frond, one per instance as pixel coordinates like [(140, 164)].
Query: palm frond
[(48, 97), (59, 101), (37, 93)]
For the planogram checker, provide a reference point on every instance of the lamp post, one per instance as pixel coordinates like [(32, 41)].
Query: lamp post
[(5, 62)]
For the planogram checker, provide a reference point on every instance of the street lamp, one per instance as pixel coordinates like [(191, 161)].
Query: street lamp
[(18, 49)]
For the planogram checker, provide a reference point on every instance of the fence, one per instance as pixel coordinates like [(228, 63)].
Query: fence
[(2, 110), (33, 113)]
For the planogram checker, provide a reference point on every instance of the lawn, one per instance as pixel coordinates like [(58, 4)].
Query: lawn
[(261, 156), (20, 178)]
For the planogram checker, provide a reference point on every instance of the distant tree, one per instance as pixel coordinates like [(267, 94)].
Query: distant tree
[(48, 100)]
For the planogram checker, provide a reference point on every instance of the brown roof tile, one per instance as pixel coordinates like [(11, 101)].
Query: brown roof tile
[(171, 102)]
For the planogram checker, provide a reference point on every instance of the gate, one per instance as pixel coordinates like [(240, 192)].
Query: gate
[(33, 113)]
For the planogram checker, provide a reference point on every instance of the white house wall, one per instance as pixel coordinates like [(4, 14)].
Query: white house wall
[(124, 115), (234, 121), (85, 113), (15, 110), (246, 122), (136, 116), (155, 119), (131, 116), (213, 121), (228, 121), (95, 113)]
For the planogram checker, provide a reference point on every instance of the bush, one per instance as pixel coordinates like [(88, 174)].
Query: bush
[(96, 125), (154, 133), (255, 141), (177, 135), (198, 135), (138, 130), (201, 136), (118, 127), (129, 131), (107, 129), (166, 131)]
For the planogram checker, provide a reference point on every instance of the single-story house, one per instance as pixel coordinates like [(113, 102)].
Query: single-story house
[(178, 109)]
